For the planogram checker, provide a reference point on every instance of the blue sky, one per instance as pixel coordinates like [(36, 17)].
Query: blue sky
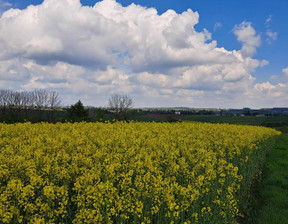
[(245, 44)]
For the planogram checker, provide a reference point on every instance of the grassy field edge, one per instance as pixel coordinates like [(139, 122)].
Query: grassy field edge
[(269, 202)]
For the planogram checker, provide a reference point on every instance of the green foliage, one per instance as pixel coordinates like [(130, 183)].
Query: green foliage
[(77, 112), (100, 114)]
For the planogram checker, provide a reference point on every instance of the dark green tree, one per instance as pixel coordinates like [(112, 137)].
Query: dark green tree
[(77, 112), (100, 114)]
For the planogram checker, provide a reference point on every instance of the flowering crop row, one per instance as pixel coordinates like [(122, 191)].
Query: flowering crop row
[(124, 172)]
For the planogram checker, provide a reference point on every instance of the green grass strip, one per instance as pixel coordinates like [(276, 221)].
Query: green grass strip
[(271, 207)]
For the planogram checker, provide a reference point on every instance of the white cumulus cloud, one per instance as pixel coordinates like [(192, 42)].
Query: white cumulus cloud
[(246, 34), (273, 94), (92, 52)]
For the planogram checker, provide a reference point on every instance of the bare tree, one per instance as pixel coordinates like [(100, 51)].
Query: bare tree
[(9, 98), (40, 98), (16, 99), (54, 100), (23, 105), (4, 97), (28, 99), (120, 105)]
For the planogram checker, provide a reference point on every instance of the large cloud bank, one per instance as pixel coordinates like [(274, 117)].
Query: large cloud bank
[(89, 53)]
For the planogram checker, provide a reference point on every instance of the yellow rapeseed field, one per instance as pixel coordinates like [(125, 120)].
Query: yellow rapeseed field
[(126, 172)]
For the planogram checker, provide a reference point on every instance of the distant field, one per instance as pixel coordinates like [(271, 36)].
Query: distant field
[(269, 121)]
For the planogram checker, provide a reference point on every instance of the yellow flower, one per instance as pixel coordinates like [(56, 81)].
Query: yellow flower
[(130, 172)]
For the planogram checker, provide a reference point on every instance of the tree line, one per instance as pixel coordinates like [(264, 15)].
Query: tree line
[(45, 105), (35, 106), (35, 99), (119, 107)]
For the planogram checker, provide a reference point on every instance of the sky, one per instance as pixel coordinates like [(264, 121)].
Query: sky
[(190, 53)]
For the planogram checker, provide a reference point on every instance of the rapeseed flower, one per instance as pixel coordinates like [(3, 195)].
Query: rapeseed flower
[(125, 172)]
